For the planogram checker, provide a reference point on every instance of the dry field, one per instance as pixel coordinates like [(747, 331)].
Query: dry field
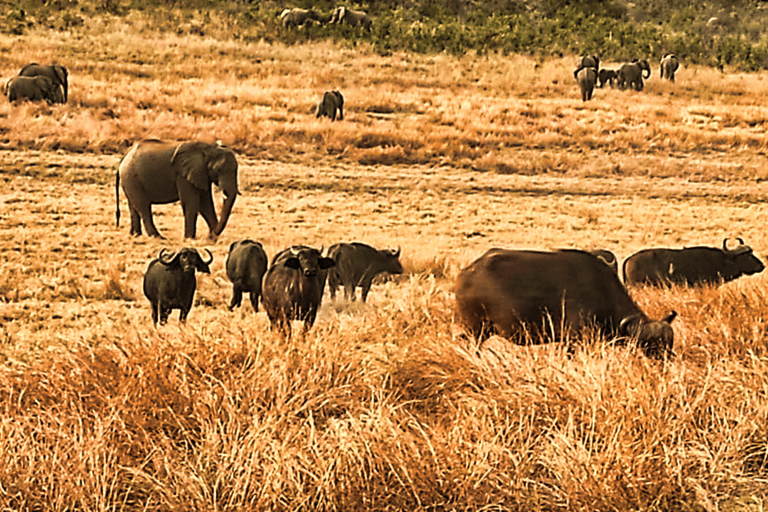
[(383, 406)]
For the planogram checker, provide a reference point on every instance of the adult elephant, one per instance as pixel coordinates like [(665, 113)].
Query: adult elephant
[(586, 78), (351, 17), (158, 172), (36, 88), (632, 73), (56, 73), (669, 65)]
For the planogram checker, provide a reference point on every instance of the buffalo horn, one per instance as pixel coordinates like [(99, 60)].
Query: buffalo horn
[(740, 249), (625, 322), (294, 250), (210, 256), (396, 253), (166, 257)]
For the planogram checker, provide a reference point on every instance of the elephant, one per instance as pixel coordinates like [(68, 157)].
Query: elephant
[(586, 77), (56, 73), (669, 65), (352, 18), (607, 76), (589, 61), (158, 172), (329, 104), (291, 18), (632, 73), (36, 88)]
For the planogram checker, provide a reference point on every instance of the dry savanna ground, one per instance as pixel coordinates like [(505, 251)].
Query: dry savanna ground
[(382, 406)]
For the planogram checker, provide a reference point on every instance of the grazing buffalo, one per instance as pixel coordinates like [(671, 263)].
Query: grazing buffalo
[(170, 282), (534, 297), (692, 265), (246, 266), (607, 257), (292, 288), (357, 264)]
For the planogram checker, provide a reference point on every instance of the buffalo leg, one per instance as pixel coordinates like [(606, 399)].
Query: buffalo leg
[(255, 300), (237, 297)]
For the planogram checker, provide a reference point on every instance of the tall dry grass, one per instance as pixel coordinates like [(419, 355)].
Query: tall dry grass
[(384, 406)]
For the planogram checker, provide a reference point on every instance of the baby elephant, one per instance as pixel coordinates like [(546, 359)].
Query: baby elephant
[(170, 282), (246, 266), (331, 102)]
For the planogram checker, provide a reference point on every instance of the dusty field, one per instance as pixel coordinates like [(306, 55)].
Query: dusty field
[(382, 406)]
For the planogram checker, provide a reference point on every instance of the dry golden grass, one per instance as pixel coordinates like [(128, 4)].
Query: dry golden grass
[(383, 406)]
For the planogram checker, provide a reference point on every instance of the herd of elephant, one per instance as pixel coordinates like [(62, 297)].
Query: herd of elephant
[(630, 75), (292, 18), (36, 82)]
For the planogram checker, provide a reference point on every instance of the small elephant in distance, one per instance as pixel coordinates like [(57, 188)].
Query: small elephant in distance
[(331, 102), (632, 73), (158, 172), (669, 65), (55, 73), (291, 18), (38, 88), (586, 78), (606, 76), (352, 18)]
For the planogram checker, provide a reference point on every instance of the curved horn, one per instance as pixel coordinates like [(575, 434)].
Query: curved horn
[(210, 256), (624, 324), (741, 242), (725, 244), (166, 257), (294, 250), (396, 254)]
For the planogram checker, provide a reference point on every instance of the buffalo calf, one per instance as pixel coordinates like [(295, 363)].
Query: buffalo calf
[(292, 288), (246, 265), (691, 265), (538, 297), (170, 283), (357, 265)]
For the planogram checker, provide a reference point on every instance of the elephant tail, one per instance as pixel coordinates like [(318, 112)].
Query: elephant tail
[(117, 197)]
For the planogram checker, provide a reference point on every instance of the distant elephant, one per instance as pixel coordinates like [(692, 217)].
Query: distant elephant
[(352, 18), (291, 18), (607, 76), (329, 104), (589, 61), (56, 73), (632, 73), (586, 78), (158, 172), (38, 88), (669, 65)]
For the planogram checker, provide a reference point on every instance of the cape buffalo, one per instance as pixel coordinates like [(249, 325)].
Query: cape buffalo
[(534, 297), (357, 264), (292, 287), (169, 282), (246, 266), (691, 266)]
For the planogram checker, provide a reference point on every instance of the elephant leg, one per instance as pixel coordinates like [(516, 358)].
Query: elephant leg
[(208, 212), (190, 205), (135, 222)]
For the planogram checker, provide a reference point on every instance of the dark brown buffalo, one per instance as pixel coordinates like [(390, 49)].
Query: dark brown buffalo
[(692, 265), (246, 265), (170, 283), (292, 288), (357, 264), (534, 297)]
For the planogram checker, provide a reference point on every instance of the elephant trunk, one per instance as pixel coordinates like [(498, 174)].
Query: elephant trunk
[(226, 210)]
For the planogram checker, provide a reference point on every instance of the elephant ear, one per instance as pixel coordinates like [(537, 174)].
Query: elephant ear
[(189, 158)]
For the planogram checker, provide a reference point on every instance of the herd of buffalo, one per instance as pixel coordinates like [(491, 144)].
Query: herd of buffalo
[(522, 295)]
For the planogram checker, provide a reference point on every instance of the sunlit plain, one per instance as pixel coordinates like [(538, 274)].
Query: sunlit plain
[(384, 405)]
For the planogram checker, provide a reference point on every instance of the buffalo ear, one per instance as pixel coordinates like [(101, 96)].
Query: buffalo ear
[(189, 158), (293, 263), (326, 263)]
